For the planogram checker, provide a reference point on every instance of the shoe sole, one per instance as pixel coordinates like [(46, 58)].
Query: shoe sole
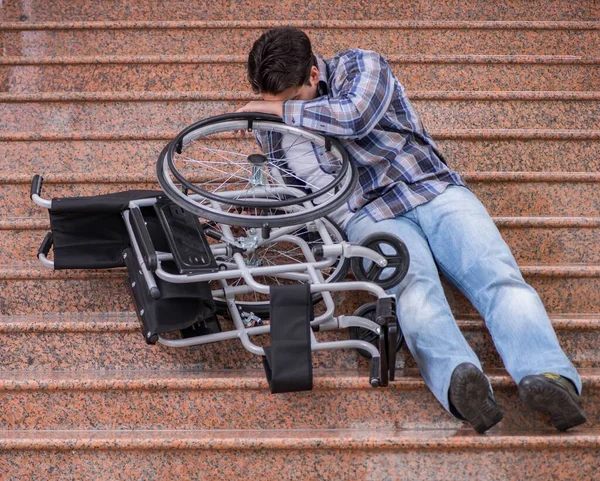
[(474, 389), (547, 398)]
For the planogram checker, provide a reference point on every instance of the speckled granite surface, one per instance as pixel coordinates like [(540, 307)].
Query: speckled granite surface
[(241, 400), (20, 239), (263, 9), (183, 390), (138, 157), (559, 294), (500, 199), (121, 117), (540, 38), (212, 76), (344, 454), (95, 342), (33, 289)]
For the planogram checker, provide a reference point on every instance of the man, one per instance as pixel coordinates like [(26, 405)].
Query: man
[(406, 188)]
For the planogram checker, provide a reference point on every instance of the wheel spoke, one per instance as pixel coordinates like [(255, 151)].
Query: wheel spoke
[(219, 162), (210, 165), (372, 271), (297, 177), (394, 261), (195, 142)]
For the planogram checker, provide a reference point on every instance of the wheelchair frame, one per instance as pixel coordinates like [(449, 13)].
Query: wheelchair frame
[(310, 271)]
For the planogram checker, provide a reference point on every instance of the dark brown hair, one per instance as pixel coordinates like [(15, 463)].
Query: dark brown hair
[(281, 58)]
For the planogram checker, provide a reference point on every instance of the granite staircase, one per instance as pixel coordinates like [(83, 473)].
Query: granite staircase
[(89, 94)]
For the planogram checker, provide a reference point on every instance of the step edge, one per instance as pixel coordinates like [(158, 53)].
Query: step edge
[(251, 379), (314, 24), (299, 439), (143, 178), (440, 134), (42, 223), (144, 96), (21, 324), (33, 271), (241, 59)]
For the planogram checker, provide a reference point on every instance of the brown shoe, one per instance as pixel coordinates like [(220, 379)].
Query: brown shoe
[(471, 396), (554, 395)]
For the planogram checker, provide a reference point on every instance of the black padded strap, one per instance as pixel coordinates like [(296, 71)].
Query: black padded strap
[(288, 361)]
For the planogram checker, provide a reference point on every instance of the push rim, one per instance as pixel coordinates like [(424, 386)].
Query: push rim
[(294, 205)]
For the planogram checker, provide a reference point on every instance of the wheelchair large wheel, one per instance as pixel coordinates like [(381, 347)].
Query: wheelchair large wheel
[(216, 173), (278, 253)]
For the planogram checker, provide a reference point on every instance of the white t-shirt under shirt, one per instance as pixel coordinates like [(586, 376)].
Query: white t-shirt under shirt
[(302, 161)]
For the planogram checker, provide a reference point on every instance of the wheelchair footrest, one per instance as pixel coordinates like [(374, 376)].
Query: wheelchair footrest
[(386, 317), (180, 306), (186, 239), (288, 360)]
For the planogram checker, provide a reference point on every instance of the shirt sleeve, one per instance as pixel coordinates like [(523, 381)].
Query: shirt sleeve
[(365, 93)]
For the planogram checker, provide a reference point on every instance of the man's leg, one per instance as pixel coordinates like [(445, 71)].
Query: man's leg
[(472, 254), (426, 320)]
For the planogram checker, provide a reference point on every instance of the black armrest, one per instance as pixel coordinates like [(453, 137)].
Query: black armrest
[(142, 236)]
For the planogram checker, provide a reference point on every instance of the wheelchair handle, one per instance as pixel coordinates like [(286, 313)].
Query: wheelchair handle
[(36, 185), (36, 191), (44, 249)]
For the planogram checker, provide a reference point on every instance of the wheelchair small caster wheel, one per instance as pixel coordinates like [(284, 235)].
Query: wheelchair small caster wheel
[(395, 253), (368, 311), (151, 338), (374, 382)]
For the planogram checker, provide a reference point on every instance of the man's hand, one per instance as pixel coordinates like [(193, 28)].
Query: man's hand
[(274, 107)]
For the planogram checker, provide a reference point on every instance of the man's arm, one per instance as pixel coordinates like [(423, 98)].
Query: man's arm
[(363, 99)]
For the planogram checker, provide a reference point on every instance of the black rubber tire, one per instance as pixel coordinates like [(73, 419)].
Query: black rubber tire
[(249, 221), (173, 146), (368, 311), (400, 260)]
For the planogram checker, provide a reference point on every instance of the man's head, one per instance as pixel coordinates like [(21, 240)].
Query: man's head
[(281, 66)]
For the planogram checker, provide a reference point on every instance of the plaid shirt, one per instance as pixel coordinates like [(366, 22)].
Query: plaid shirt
[(366, 108)]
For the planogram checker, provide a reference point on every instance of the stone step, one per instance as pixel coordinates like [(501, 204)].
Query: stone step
[(105, 341), (473, 10), (503, 194), (109, 341), (553, 151), (435, 455), (319, 454), (533, 240), (213, 73), (78, 424), (194, 399), (465, 113), (32, 289), (327, 37)]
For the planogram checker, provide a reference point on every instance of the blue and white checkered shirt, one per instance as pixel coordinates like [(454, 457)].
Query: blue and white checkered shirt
[(365, 106)]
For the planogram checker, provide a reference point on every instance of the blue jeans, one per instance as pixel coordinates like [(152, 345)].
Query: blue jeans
[(455, 232)]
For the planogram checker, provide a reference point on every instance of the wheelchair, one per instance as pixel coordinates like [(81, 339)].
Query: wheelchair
[(242, 232)]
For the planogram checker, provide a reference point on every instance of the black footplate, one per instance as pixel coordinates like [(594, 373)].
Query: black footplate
[(187, 307), (186, 239), (386, 317)]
